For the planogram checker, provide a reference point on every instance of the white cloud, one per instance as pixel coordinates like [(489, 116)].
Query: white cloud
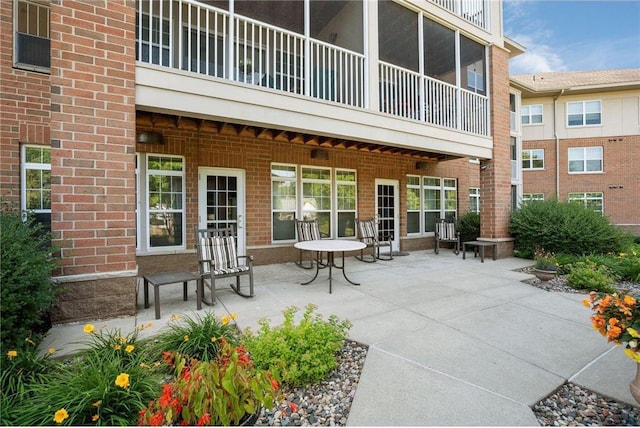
[(538, 58)]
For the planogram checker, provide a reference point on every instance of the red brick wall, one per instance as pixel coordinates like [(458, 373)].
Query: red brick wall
[(228, 150), (24, 109), (495, 178), (93, 135), (620, 181)]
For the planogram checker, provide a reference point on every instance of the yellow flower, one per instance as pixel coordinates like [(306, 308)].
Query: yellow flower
[(88, 329), (122, 380), (95, 417), (586, 302), (213, 339), (129, 349), (186, 338), (633, 333), (632, 354), (29, 341), (60, 416), (144, 366), (234, 315), (52, 351), (629, 300), (116, 346), (175, 317), (225, 319), (12, 354), (97, 403), (623, 254)]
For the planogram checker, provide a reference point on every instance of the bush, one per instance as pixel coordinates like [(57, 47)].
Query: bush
[(565, 227), (222, 392), (591, 276), (303, 353), (105, 384), (26, 266), (196, 337), (469, 226)]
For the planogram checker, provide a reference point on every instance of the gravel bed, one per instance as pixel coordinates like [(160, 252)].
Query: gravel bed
[(572, 405), (323, 404), (328, 403)]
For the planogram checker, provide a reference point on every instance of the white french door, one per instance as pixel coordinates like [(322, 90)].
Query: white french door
[(387, 209), (221, 201)]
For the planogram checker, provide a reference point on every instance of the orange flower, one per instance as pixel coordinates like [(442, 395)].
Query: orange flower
[(614, 333)]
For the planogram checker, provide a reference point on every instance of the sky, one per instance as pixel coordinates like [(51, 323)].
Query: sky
[(573, 35)]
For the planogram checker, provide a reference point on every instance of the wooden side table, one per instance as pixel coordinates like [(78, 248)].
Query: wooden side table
[(479, 245), (158, 279)]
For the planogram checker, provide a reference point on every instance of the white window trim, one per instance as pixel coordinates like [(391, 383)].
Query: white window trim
[(442, 188), (299, 212), (142, 194), (530, 115), (584, 198), (474, 194), (24, 166), (528, 197), (584, 114), (530, 160), (584, 160), (337, 210)]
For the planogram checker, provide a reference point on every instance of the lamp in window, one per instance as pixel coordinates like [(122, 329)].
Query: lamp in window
[(422, 165), (149, 137), (319, 154)]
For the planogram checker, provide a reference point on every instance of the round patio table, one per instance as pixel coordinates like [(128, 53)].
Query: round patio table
[(330, 246)]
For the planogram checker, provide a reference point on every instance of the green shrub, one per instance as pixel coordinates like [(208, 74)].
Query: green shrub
[(26, 265), (591, 276), (469, 226), (304, 353), (196, 337), (107, 383), (564, 227)]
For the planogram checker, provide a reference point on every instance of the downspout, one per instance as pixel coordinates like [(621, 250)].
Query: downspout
[(555, 135)]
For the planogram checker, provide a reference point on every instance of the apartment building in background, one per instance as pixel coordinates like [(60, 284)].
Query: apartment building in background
[(127, 124), (581, 140)]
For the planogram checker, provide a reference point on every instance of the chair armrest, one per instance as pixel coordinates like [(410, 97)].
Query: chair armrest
[(249, 259)]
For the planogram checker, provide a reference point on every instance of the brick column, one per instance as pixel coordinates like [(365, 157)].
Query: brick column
[(93, 156), (495, 174)]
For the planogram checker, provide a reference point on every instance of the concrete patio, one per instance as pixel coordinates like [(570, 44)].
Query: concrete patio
[(451, 341)]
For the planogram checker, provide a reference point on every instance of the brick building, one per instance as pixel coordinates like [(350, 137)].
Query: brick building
[(126, 124), (581, 140)]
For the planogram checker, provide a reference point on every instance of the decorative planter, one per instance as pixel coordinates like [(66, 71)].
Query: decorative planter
[(544, 275), (634, 386)]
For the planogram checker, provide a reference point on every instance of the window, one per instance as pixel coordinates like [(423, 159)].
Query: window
[(346, 191), (283, 202), (475, 81), (585, 159), (316, 197), (583, 113), (531, 115), (533, 159), (153, 36), (31, 42), (528, 197), (591, 200), (429, 198), (474, 199), (162, 193), (327, 194), (36, 183)]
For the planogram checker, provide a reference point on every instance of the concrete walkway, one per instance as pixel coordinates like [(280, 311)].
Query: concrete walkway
[(451, 341)]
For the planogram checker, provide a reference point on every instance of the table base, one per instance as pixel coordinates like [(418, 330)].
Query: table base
[(329, 264)]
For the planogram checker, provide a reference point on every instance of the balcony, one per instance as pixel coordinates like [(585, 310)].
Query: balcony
[(474, 11), (198, 38)]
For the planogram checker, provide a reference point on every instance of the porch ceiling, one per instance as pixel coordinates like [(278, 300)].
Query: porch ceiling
[(161, 120)]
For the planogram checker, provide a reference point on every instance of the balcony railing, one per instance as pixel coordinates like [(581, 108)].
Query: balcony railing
[(193, 36), (411, 95), (474, 11)]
